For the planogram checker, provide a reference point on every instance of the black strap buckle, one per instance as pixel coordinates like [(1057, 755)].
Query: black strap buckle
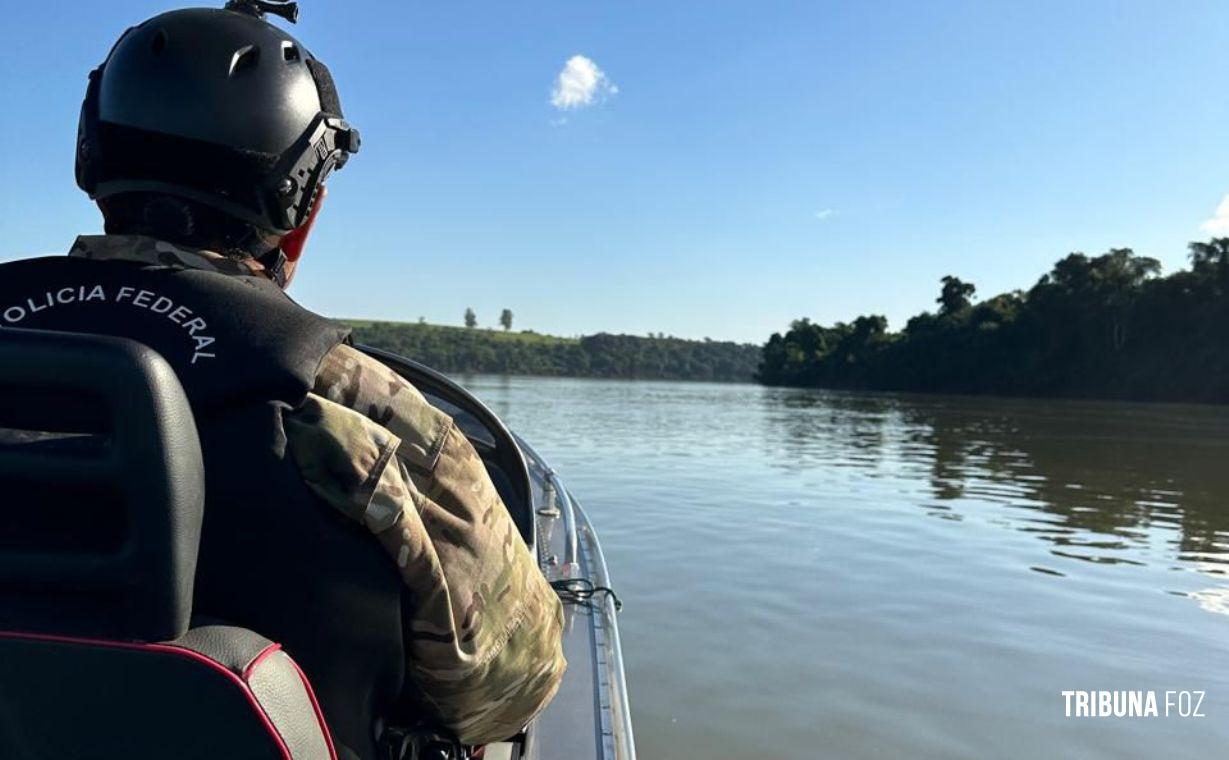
[(274, 263)]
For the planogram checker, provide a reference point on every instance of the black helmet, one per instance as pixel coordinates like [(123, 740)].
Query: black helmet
[(219, 107)]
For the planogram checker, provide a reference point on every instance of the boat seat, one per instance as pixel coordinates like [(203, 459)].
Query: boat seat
[(101, 501)]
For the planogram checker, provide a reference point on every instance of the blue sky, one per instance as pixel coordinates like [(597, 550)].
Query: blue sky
[(740, 165)]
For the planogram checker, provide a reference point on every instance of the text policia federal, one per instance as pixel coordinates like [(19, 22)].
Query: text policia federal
[(154, 303), (1133, 704)]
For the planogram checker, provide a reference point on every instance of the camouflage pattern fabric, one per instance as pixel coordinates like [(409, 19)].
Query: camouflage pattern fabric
[(147, 250), (485, 641), (356, 381)]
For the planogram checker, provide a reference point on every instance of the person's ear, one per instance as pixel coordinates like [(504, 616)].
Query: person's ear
[(295, 241)]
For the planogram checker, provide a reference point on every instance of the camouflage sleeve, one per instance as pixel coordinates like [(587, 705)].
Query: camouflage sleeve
[(354, 380), (484, 643)]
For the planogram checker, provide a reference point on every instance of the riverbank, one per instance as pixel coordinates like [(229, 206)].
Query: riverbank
[(1101, 327), (505, 352)]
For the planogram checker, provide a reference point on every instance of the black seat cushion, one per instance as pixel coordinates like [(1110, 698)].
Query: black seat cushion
[(217, 692)]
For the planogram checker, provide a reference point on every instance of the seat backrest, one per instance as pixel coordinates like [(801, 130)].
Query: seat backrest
[(101, 488), (101, 502)]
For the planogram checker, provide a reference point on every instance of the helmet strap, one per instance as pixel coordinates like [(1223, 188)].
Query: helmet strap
[(274, 263)]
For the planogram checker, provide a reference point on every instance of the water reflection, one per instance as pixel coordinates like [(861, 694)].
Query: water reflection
[(1102, 483), (897, 576)]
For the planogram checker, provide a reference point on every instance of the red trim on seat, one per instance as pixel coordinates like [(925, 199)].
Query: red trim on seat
[(311, 694), (247, 672), (179, 652)]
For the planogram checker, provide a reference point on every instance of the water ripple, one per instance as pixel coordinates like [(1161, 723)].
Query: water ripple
[(897, 576)]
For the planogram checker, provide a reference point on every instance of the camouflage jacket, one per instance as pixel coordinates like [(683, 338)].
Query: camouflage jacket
[(484, 647)]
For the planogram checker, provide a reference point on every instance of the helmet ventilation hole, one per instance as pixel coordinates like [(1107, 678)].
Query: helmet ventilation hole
[(245, 58), (290, 52), (158, 44)]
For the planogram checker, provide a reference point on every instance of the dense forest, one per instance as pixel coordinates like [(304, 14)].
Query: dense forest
[(470, 349), (1106, 326)]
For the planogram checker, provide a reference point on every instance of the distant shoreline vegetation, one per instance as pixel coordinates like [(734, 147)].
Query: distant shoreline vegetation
[(482, 351), (1106, 326)]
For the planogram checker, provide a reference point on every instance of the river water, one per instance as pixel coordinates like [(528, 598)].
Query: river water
[(821, 574)]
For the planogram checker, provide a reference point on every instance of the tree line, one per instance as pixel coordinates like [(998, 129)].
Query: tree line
[(1107, 326), (471, 350)]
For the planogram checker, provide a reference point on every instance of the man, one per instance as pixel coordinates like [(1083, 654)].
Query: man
[(345, 516)]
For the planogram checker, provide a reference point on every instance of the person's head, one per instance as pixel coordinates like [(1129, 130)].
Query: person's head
[(213, 128)]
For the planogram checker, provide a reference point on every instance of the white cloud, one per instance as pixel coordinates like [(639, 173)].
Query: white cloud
[(826, 213), (1218, 224), (581, 83)]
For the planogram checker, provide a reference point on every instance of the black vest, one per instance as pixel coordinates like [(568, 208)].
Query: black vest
[(273, 557)]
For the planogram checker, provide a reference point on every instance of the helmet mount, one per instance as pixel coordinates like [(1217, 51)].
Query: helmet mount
[(287, 9)]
